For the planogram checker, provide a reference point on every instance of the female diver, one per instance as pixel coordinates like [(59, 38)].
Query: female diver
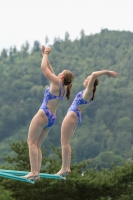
[(46, 115), (73, 117)]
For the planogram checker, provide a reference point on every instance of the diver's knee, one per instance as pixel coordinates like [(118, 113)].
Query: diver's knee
[(64, 141), (31, 143)]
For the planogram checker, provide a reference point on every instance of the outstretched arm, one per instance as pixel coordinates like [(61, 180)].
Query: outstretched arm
[(94, 76), (46, 68), (48, 63), (104, 72), (50, 67)]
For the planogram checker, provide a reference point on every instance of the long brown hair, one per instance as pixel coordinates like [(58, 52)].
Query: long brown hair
[(94, 89), (68, 78)]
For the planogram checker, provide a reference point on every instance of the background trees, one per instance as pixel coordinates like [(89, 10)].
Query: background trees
[(107, 122), (82, 183)]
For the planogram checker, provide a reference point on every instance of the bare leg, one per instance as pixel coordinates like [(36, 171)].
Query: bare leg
[(40, 141), (67, 132), (69, 159), (35, 130)]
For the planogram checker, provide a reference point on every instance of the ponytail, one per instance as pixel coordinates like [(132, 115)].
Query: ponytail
[(68, 79), (94, 89), (69, 87)]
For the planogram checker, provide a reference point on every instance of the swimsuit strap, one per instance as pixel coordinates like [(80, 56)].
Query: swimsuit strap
[(84, 101)]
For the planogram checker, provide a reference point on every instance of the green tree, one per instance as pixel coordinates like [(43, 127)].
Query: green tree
[(67, 35), (107, 184), (3, 54), (5, 195), (107, 122), (36, 46)]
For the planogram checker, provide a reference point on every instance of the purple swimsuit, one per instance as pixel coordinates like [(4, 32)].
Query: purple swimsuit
[(48, 96), (76, 102)]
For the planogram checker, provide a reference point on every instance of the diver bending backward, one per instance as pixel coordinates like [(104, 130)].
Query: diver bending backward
[(46, 115), (73, 117)]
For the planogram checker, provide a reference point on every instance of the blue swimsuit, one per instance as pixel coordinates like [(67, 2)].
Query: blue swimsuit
[(76, 102), (48, 96)]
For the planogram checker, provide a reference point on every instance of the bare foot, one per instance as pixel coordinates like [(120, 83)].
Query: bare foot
[(63, 172), (32, 176)]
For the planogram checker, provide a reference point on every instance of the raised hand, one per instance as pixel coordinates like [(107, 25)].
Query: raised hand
[(47, 49), (112, 74), (43, 50)]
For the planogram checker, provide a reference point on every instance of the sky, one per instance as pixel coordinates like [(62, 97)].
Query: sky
[(31, 20)]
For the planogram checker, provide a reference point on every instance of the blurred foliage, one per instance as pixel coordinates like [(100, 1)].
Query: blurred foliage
[(5, 194), (82, 183), (107, 129)]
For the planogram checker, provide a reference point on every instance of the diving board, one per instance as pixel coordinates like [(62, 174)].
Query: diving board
[(14, 174), (17, 178)]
